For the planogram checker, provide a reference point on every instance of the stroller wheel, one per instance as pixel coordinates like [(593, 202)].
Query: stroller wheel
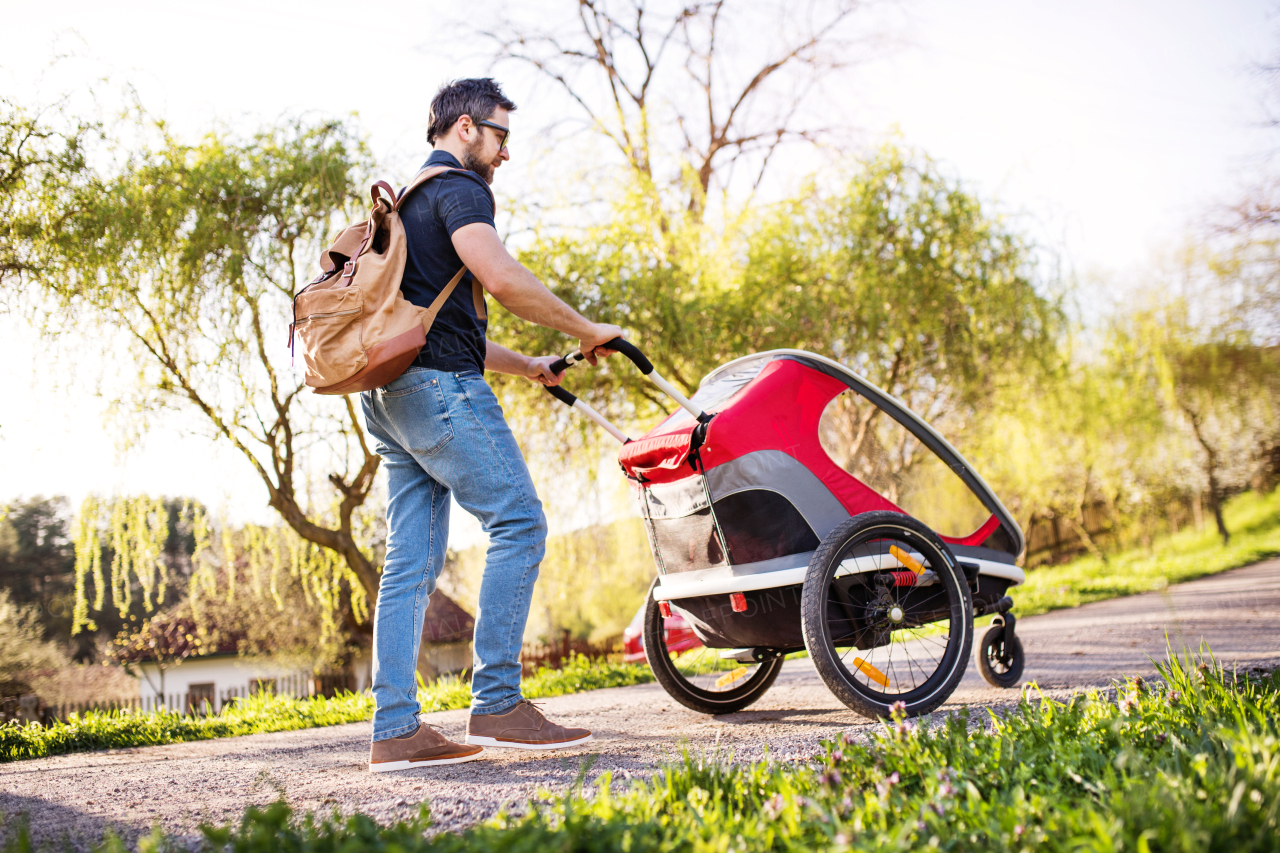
[(887, 615), (698, 677), (1000, 664)]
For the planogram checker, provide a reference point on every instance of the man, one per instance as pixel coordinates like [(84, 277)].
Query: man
[(440, 432)]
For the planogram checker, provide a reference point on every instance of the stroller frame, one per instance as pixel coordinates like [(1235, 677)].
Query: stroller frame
[(745, 512)]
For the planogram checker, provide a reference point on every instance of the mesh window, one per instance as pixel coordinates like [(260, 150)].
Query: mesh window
[(895, 464), (689, 543), (759, 524), (762, 525)]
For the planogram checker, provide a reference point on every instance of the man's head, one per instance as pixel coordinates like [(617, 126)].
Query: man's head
[(462, 117)]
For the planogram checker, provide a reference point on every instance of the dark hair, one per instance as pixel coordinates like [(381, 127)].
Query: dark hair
[(477, 97)]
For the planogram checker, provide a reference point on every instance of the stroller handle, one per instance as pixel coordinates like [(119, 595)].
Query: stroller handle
[(632, 352), (627, 348)]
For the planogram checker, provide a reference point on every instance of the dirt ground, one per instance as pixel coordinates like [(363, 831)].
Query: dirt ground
[(76, 797)]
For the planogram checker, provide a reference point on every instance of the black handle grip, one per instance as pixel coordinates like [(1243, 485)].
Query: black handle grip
[(632, 352), (561, 394), (560, 365), (628, 349)]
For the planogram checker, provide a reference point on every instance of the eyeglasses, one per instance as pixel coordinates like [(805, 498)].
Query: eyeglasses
[(506, 132)]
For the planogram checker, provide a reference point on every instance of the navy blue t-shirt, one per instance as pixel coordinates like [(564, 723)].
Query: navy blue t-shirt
[(436, 209)]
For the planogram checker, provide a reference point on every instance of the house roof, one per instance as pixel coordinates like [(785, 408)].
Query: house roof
[(446, 621)]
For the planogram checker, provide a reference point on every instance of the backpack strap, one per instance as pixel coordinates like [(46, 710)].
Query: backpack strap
[(427, 174), (477, 290), (420, 179), (429, 318)]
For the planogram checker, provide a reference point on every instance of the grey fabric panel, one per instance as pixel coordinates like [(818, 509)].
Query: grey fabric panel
[(778, 472), (674, 500)]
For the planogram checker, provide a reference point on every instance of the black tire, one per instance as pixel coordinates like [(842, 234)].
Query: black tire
[(689, 677), (1000, 667), (838, 613)]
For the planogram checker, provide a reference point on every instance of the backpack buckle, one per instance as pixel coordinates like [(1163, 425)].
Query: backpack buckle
[(349, 270)]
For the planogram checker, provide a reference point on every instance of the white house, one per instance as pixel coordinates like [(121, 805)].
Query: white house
[(218, 677)]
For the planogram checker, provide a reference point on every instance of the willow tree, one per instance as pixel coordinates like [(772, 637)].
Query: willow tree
[(191, 254), (1215, 384), (41, 158), (904, 275)]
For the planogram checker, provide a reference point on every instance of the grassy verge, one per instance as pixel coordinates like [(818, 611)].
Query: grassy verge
[(1254, 522), (267, 713), (1189, 765), (119, 730)]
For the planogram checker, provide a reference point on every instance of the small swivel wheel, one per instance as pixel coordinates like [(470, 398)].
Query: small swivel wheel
[(1000, 657)]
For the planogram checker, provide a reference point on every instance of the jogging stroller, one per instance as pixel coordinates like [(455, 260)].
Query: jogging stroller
[(765, 546)]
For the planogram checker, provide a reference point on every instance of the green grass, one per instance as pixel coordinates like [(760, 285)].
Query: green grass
[(1254, 522), (1192, 764), (119, 730), (268, 713)]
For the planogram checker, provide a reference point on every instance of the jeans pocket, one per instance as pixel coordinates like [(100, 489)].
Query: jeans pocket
[(420, 416)]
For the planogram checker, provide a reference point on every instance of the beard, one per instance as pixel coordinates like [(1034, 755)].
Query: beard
[(472, 163)]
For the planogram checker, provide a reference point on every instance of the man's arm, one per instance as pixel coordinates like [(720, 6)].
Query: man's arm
[(502, 360), (520, 292)]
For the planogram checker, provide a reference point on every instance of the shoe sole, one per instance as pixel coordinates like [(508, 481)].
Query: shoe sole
[(389, 766), (478, 740)]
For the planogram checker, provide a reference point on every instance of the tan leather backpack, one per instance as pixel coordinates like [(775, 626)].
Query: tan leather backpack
[(357, 331)]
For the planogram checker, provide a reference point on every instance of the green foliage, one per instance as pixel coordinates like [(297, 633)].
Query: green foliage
[(1184, 556), (1214, 382), (23, 649), (590, 583), (36, 560), (898, 272), (121, 729), (582, 673), (191, 254), (1189, 764), (138, 531), (41, 159)]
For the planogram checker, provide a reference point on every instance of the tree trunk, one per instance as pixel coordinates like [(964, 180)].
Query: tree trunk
[(1215, 503), (1086, 539), (1078, 522), (1211, 469)]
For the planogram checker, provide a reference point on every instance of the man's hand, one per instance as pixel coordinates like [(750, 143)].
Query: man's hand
[(591, 345), (539, 370)]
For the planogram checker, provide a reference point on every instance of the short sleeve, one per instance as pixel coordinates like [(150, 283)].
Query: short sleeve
[(462, 201)]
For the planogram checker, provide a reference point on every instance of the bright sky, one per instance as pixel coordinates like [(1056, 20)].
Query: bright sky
[(1106, 128)]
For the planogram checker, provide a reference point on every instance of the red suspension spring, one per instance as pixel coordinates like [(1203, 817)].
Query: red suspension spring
[(904, 578)]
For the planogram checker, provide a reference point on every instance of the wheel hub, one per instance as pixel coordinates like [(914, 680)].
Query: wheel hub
[(895, 614)]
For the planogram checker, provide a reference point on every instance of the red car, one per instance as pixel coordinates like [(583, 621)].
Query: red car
[(679, 636)]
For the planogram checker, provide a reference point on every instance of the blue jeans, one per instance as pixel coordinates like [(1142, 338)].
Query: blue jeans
[(438, 434)]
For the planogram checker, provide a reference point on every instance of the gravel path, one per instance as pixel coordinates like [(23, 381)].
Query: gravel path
[(78, 796)]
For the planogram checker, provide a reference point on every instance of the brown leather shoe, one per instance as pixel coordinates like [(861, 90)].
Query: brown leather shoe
[(423, 748), (523, 727)]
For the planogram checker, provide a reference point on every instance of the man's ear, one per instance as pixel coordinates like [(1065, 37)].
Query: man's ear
[(465, 125)]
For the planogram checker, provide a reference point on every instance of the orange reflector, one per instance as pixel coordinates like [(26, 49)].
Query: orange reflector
[(871, 672), (906, 559), (739, 602), (730, 677), (665, 609)]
